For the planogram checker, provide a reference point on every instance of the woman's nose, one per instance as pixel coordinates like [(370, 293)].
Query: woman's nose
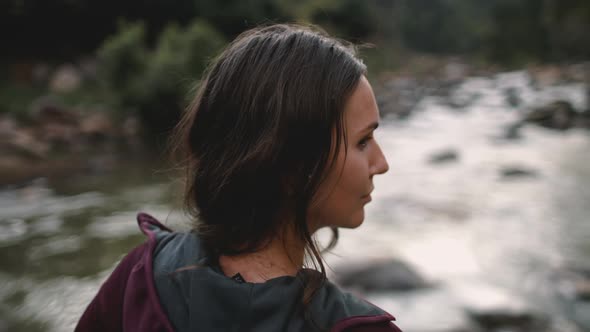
[(380, 165)]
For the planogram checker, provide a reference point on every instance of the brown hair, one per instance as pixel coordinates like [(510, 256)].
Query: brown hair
[(259, 136)]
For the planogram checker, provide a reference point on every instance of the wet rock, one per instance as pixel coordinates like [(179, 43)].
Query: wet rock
[(18, 143), (97, 127), (574, 283), (582, 119), (518, 172), (582, 289), (66, 78), (455, 71), (55, 125), (7, 126), (461, 99), (47, 109), (22, 144), (577, 72), (512, 97), (559, 115), (399, 96), (390, 275), (545, 76), (444, 156), (556, 115), (512, 132), (509, 320)]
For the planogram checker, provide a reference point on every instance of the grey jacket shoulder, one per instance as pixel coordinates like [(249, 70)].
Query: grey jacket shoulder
[(196, 295)]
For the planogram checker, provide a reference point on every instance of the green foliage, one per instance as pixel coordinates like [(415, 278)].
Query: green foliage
[(146, 67), (15, 99), (509, 32), (123, 59), (153, 83), (231, 17), (500, 30), (200, 42), (179, 59), (518, 34), (351, 19), (443, 26)]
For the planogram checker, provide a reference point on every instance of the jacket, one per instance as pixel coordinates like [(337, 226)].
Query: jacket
[(168, 283)]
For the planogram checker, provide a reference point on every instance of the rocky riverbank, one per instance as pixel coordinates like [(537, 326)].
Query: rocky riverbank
[(56, 139)]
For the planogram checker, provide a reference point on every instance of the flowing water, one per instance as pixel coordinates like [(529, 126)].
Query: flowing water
[(486, 241)]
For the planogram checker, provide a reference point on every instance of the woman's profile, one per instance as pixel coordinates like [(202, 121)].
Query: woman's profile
[(277, 144)]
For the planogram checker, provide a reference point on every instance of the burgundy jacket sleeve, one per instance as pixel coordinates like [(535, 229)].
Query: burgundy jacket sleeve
[(128, 300), (377, 327), (381, 323), (105, 312)]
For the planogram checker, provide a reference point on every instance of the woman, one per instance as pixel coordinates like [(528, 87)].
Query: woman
[(278, 143)]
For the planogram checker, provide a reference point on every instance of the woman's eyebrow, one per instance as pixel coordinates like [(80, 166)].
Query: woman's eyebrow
[(371, 127)]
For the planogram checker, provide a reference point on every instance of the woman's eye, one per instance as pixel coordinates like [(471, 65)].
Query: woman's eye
[(364, 142)]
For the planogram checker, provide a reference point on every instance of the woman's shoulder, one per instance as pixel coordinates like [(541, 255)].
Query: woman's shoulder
[(172, 250), (347, 312), (176, 257)]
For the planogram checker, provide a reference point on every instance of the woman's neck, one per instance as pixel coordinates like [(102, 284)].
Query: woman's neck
[(283, 256)]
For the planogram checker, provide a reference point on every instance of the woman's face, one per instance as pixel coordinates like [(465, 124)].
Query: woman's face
[(341, 197)]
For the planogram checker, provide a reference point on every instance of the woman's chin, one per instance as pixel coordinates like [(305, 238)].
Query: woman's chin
[(355, 220)]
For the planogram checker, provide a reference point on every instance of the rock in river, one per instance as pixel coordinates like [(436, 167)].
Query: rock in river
[(389, 275), (443, 156), (511, 172), (556, 115), (509, 320)]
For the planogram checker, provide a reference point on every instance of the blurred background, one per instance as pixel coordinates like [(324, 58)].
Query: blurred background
[(481, 223)]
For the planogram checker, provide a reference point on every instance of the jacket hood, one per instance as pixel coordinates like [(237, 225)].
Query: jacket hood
[(197, 296)]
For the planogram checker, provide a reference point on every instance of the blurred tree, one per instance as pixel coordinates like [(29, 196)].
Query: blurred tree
[(567, 23), (123, 59), (152, 84), (145, 68), (503, 30), (518, 33), (351, 18), (178, 61), (442, 26), (231, 17), (58, 29)]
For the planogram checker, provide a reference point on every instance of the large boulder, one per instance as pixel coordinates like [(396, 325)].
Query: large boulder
[(389, 275), (556, 115), (97, 127), (55, 124), (574, 283), (509, 320), (573, 288), (399, 96), (544, 76), (582, 119), (66, 78), (512, 96)]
